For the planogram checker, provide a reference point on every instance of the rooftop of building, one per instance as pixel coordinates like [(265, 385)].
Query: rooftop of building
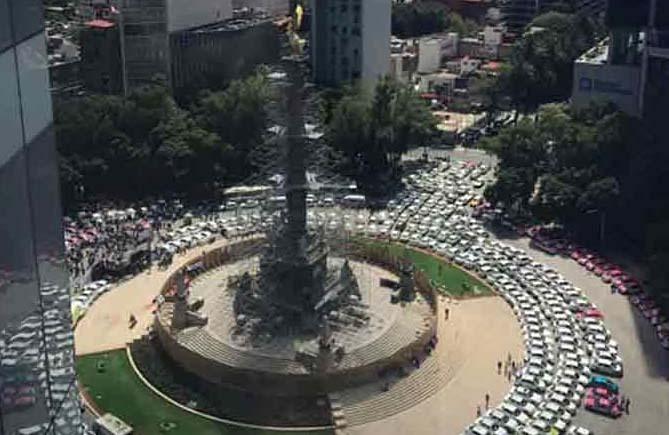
[(443, 74), (597, 55), (234, 24)]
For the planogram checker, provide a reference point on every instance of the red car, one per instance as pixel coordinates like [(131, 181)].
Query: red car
[(639, 299), (613, 273), (628, 289), (587, 256), (594, 263), (625, 279), (592, 312), (24, 401), (576, 254), (652, 312), (647, 305), (584, 259), (602, 405)]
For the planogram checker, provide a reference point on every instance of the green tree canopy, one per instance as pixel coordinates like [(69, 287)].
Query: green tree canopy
[(554, 167), (541, 64), (413, 19), (146, 144), (373, 133)]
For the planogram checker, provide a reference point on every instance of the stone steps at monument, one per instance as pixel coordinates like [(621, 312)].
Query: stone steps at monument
[(200, 341), (399, 335), (368, 403)]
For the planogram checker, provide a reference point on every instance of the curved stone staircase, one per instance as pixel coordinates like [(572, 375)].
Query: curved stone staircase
[(369, 403)]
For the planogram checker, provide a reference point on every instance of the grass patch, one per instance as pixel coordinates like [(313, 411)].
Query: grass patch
[(446, 276), (114, 387)]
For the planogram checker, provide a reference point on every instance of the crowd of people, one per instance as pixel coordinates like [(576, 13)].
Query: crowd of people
[(111, 240)]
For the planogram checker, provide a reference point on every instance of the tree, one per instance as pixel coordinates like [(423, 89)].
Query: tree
[(557, 162), (348, 129), (373, 134), (146, 144), (461, 26), (599, 195), (555, 200), (238, 116), (541, 63), (410, 20)]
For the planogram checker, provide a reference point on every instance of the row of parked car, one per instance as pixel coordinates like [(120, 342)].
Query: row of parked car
[(554, 242), (570, 354)]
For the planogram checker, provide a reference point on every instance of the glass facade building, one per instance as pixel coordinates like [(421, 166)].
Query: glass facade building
[(38, 392)]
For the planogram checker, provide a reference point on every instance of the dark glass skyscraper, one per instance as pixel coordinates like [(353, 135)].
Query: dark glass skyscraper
[(37, 380)]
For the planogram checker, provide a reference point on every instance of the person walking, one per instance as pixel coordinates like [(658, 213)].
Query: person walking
[(499, 367), (487, 400), (627, 406), (478, 411)]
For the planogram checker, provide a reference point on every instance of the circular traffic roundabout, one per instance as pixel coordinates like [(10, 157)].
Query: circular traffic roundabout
[(393, 342)]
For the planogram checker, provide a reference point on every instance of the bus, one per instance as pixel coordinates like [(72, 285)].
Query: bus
[(355, 201)]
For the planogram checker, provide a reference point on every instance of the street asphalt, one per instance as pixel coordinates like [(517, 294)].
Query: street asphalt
[(645, 362)]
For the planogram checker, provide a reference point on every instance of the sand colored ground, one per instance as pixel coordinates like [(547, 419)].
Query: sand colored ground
[(105, 325), (478, 333)]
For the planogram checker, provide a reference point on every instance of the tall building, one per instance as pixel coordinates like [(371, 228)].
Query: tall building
[(591, 6), (631, 67), (37, 378), (209, 57), (148, 32), (516, 14), (144, 42), (350, 40), (656, 61)]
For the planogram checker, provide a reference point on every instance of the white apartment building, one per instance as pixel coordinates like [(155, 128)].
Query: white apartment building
[(350, 40)]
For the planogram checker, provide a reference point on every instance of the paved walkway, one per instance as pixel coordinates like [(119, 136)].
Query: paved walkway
[(646, 364), (479, 333), (105, 326)]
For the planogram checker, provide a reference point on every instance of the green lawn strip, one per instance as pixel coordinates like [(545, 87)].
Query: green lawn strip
[(119, 391), (456, 282)]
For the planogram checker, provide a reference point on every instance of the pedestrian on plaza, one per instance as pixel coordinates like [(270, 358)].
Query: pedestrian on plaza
[(446, 313), (499, 367), (627, 406), (487, 400), (509, 375), (478, 411)]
